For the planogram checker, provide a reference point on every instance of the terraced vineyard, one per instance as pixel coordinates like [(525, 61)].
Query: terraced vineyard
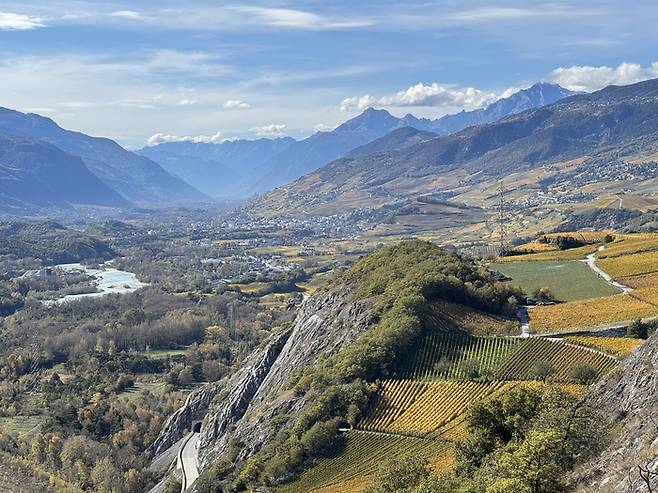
[(630, 265), (619, 346), (442, 355), (561, 355), (361, 455), (427, 408), (595, 312)]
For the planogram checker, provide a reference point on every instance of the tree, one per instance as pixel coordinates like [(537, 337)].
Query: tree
[(544, 295), (470, 368), (637, 329), (542, 370), (508, 485), (583, 373), (536, 463), (400, 475), (443, 365)]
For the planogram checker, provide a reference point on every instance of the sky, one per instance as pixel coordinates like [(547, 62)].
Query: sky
[(147, 71)]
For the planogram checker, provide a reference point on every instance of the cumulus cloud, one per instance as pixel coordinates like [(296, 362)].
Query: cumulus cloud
[(587, 78), (186, 102), (10, 21), (424, 95), (272, 130), (233, 104), (161, 138)]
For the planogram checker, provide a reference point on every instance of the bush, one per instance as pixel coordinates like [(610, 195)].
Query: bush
[(583, 373), (542, 370)]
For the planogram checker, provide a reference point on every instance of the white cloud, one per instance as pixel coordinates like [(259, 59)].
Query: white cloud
[(160, 138), (272, 130), (424, 95), (232, 104), (587, 78), (127, 14), (297, 19), (18, 22), (186, 102), (321, 127)]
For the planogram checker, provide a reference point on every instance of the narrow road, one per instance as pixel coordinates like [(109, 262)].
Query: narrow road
[(522, 313), (590, 260), (187, 461)]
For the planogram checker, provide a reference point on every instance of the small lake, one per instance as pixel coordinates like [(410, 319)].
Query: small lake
[(107, 280)]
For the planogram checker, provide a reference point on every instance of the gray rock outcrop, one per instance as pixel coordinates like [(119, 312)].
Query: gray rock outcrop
[(629, 401), (326, 323)]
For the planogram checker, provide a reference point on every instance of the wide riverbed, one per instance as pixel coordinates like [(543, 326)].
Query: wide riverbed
[(107, 280)]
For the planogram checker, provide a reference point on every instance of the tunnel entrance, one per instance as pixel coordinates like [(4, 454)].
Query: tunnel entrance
[(196, 427)]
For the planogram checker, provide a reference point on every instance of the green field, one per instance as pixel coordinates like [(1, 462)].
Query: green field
[(568, 281)]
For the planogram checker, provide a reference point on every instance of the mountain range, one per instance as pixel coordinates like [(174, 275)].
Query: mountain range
[(57, 167), (242, 168), (573, 140)]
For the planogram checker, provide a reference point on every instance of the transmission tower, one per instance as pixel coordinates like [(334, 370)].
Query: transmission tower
[(502, 219)]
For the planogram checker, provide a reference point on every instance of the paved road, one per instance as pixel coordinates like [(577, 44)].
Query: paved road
[(187, 459)]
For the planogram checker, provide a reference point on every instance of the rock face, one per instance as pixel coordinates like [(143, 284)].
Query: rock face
[(179, 423), (629, 400), (326, 323)]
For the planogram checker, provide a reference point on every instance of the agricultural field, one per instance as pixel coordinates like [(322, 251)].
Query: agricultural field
[(578, 253), (560, 355), (592, 313), (360, 456), (617, 346), (629, 265), (567, 280), (629, 244), (442, 354), (427, 408), (640, 281)]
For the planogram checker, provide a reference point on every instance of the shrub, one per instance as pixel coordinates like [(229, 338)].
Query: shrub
[(583, 373)]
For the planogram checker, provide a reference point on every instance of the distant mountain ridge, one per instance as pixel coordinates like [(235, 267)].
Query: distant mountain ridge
[(36, 174), (591, 130), (136, 178), (260, 165)]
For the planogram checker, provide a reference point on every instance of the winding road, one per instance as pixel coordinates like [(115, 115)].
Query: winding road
[(590, 260), (187, 461)]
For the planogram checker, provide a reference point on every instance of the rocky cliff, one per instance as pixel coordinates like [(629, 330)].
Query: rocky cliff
[(629, 400), (325, 324), (240, 409)]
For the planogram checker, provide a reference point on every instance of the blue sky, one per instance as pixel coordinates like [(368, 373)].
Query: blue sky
[(211, 70)]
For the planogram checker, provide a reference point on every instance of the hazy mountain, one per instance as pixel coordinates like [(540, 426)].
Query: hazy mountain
[(228, 169), (35, 174), (260, 165), (137, 178), (594, 129)]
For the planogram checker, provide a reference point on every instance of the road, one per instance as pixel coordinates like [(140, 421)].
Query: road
[(590, 260), (187, 461)]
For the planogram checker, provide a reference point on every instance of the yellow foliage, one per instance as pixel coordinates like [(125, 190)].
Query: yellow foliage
[(619, 346), (594, 312)]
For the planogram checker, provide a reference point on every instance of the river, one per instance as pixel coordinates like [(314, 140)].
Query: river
[(107, 279)]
